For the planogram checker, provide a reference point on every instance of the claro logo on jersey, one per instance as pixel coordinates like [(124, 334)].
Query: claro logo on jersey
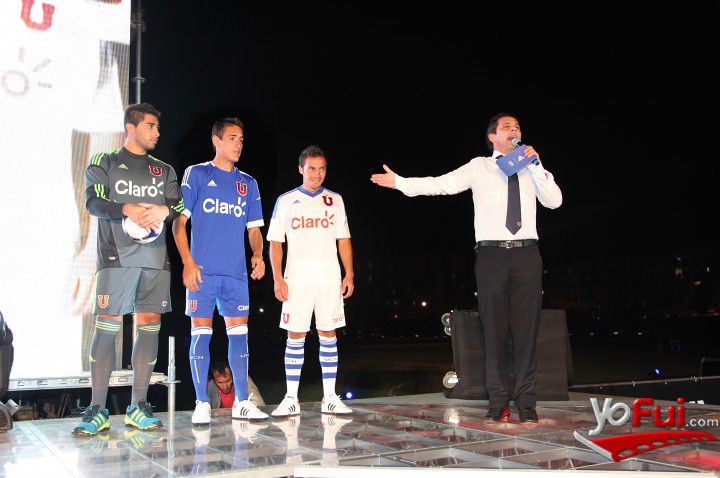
[(217, 206), (128, 188), (305, 222)]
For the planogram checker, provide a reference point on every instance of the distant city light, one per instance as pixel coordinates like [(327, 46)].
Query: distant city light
[(261, 310), (423, 303)]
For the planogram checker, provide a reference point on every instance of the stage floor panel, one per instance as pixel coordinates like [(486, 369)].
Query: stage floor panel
[(426, 434)]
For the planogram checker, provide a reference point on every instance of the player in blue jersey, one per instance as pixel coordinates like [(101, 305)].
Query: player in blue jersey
[(131, 277), (221, 203), (313, 222)]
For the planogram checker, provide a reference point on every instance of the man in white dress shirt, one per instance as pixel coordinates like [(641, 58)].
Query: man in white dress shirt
[(508, 266)]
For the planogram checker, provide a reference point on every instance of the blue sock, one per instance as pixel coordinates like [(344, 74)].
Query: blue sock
[(200, 360), (238, 359)]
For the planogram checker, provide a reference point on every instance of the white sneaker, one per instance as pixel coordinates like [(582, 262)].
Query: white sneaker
[(333, 424), (333, 404), (201, 415), (202, 436), (289, 426), (288, 407), (247, 430), (247, 410)]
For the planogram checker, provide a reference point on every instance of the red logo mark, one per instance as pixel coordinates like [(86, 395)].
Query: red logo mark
[(328, 200), (48, 11), (155, 170), (626, 446), (303, 222), (285, 317), (192, 305), (241, 188), (103, 301)]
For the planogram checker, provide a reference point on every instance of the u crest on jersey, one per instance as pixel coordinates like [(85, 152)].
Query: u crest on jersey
[(103, 301), (241, 188), (328, 200), (192, 305), (155, 170)]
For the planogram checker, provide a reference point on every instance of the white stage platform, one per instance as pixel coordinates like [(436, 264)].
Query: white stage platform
[(413, 436)]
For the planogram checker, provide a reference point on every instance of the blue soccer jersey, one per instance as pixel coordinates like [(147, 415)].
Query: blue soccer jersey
[(221, 206)]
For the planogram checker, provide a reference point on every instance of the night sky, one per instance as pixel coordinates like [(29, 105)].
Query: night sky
[(618, 99)]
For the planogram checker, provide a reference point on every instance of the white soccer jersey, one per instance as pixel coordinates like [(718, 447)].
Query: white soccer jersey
[(312, 224)]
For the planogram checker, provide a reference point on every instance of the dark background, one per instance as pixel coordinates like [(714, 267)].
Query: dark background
[(618, 99)]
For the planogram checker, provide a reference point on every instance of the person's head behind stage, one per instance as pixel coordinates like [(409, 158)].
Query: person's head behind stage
[(221, 374), (142, 127), (313, 167)]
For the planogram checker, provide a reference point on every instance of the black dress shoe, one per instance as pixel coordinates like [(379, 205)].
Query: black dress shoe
[(497, 415), (528, 415)]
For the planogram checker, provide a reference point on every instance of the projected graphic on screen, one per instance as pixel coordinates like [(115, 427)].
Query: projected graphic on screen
[(63, 88)]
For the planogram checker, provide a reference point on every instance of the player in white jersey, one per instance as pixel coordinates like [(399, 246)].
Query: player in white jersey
[(313, 221), (223, 203)]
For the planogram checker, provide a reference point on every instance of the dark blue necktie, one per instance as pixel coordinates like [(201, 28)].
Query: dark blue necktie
[(513, 219)]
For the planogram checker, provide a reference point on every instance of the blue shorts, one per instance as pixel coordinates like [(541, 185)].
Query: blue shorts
[(228, 293)]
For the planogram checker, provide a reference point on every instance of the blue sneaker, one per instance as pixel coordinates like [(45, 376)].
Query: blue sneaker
[(92, 421), (139, 438), (95, 443), (141, 416)]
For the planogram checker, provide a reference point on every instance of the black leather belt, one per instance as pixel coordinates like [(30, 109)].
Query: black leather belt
[(508, 244)]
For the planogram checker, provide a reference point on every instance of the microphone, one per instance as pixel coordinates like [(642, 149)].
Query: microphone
[(517, 143)]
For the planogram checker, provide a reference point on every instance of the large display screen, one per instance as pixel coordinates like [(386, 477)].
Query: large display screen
[(63, 88)]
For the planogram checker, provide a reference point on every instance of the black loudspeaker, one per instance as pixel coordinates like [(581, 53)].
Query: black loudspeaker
[(6, 355), (6, 422), (554, 359), (6, 360), (468, 346)]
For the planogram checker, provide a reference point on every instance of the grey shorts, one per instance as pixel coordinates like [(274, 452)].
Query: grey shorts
[(125, 290)]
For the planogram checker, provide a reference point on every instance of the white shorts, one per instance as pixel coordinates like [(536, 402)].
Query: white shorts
[(323, 299)]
